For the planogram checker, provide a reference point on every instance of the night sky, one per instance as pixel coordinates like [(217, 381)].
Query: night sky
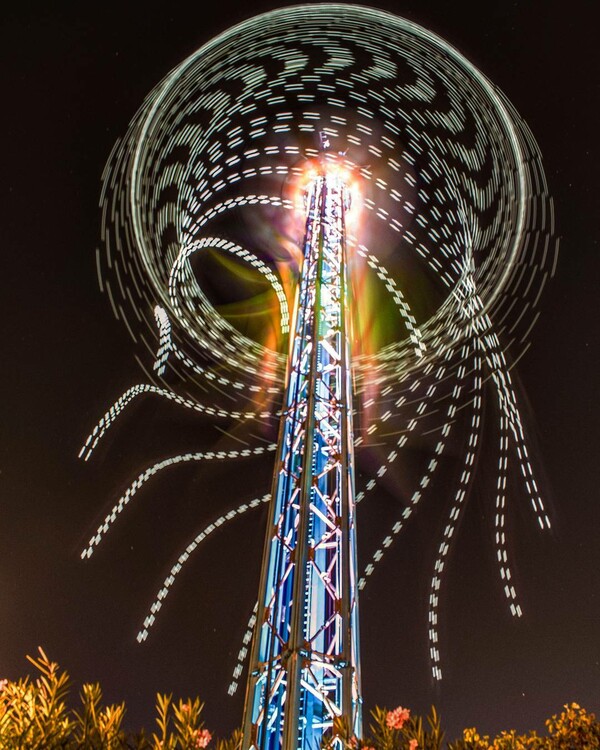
[(72, 80)]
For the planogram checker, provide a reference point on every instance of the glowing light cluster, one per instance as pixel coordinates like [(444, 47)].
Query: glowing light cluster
[(455, 232)]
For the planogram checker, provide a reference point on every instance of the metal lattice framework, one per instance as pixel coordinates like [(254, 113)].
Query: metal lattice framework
[(304, 662)]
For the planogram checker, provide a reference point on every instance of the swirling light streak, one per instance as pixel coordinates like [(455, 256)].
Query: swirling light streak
[(181, 264), (243, 652), (455, 226), (151, 471), (457, 507), (500, 521), (123, 401), (163, 592), (409, 319), (445, 431), (165, 345)]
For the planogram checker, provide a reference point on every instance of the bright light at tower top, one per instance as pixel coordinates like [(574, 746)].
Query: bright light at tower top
[(331, 167), (335, 174)]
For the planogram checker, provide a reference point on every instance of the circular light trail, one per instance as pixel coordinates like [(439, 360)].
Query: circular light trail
[(451, 251)]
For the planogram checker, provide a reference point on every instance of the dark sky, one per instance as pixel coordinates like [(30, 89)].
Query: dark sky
[(72, 80)]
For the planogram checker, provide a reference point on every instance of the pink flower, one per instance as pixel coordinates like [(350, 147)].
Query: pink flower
[(203, 737), (186, 708), (413, 745), (395, 719), (3, 684)]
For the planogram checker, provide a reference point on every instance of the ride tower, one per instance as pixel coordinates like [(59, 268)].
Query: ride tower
[(304, 665)]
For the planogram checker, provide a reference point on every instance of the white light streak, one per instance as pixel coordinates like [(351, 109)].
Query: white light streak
[(453, 192), (151, 471), (164, 591)]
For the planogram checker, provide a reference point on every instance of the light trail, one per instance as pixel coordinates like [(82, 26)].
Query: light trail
[(150, 472), (454, 238)]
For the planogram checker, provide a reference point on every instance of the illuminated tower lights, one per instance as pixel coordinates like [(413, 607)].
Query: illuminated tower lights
[(452, 181), (304, 663)]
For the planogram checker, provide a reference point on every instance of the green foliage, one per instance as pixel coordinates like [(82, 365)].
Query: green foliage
[(188, 729), (34, 715), (399, 730), (232, 743), (573, 729), (340, 732), (95, 726)]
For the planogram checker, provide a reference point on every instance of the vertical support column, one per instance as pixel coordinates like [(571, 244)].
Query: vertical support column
[(304, 667)]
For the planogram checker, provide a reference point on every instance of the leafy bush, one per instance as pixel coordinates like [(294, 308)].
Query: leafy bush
[(573, 729), (34, 715)]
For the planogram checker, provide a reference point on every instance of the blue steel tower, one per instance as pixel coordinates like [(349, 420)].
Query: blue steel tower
[(304, 667)]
